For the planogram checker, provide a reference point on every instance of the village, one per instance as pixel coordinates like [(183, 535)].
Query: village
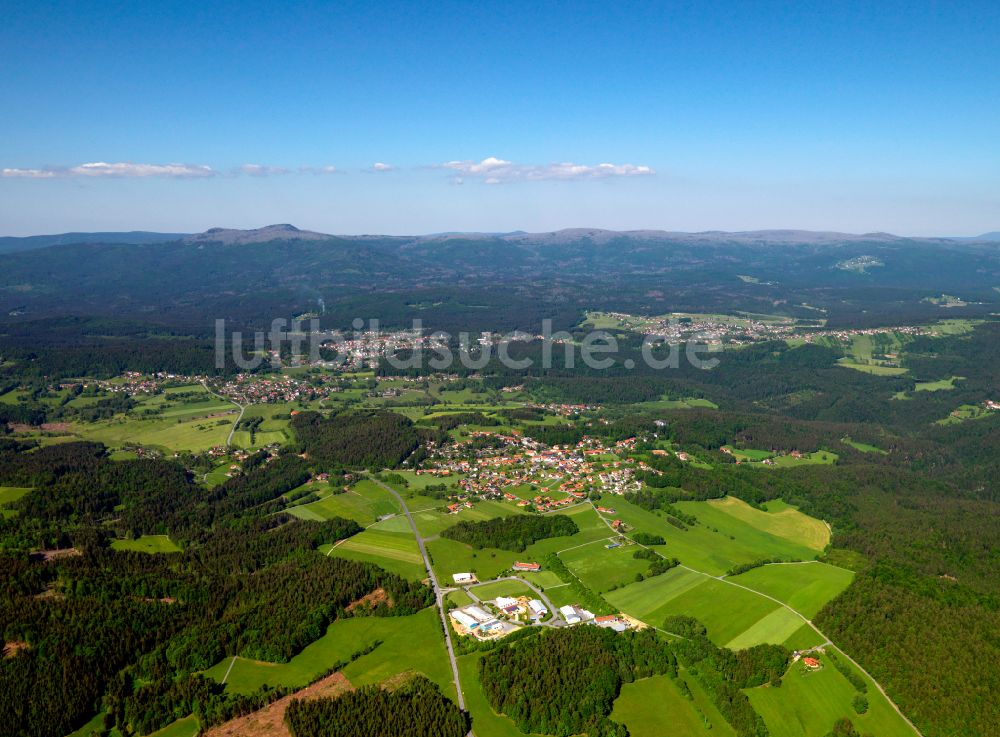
[(545, 478)]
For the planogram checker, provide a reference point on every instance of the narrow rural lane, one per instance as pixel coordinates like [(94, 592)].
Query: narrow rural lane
[(232, 430), (438, 593)]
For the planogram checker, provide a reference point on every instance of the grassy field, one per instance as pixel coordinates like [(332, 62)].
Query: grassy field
[(780, 520), (365, 502), (147, 544), (863, 447), (10, 494), (394, 551), (726, 611), (824, 457), (720, 542), (602, 569), (808, 704), (450, 557), (776, 628), (653, 707), (806, 587), (874, 369), (490, 591), (937, 386), (413, 643), (186, 727)]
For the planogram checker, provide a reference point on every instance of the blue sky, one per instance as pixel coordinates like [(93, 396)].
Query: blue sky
[(500, 116)]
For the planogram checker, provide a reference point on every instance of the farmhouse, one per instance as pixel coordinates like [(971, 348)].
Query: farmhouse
[(811, 663), (531, 567)]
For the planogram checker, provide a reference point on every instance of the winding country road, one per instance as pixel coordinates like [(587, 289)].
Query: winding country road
[(438, 593), (232, 430)]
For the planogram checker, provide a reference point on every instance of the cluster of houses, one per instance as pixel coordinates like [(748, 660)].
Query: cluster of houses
[(562, 475)]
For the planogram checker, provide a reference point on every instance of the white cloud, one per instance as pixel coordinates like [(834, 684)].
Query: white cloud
[(379, 166), (319, 170), (28, 173), (121, 169), (260, 170), (127, 169), (493, 170)]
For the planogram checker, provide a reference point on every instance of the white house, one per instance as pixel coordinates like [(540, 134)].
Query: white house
[(464, 578)]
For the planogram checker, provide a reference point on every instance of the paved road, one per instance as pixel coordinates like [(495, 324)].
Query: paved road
[(438, 593), (232, 430), (805, 619)]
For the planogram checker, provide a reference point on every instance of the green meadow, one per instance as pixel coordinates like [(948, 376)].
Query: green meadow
[(809, 702), (412, 643), (602, 569), (805, 587), (147, 544), (723, 540), (10, 494), (653, 707), (364, 502), (394, 551), (490, 591), (778, 519)]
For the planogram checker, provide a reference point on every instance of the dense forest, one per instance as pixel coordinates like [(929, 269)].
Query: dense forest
[(515, 533), (356, 440), (564, 682), (248, 582), (415, 709)]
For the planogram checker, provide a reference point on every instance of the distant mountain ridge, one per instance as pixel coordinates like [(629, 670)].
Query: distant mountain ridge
[(595, 236), (12, 244)]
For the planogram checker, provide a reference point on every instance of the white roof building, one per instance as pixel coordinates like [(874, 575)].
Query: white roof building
[(505, 601), (480, 615), (464, 619), (569, 614), (537, 607), (464, 577)]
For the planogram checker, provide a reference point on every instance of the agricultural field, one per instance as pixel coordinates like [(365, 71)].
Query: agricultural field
[(655, 706), (147, 544), (603, 569), (393, 550), (365, 503), (809, 702), (805, 587), (778, 519), (727, 611), (722, 540)]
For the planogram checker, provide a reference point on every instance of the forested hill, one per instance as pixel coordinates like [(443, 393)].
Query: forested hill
[(281, 271)]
